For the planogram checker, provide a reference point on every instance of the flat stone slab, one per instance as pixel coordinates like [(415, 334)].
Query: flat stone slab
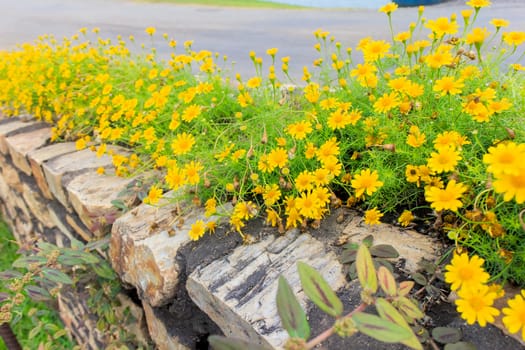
[(144, 243), (91, 195), (21, 144), (8, 126), (61, 170), (238, 291), (44, 154), (411, 245)]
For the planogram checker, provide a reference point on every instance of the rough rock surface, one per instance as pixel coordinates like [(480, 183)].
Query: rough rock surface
[(238, 291)]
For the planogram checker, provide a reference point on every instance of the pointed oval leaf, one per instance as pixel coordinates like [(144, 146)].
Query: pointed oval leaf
[(348, 256), (318, 290), (86, 257), (419, 278), (380, 329), (292, 314), (389, 313), (9, 274), (366, 271), (446, 335), (462, 345), (368, 241), (384, 251), (98, 244), (387, 282), (37, 293), (24, 261), (405, 287), (56, 276), (222, 343), (409, 309)]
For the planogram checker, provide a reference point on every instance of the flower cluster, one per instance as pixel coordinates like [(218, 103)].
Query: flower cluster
[(419, 125), (476, 297)]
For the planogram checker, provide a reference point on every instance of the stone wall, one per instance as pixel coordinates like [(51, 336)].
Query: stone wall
[(186, 290)]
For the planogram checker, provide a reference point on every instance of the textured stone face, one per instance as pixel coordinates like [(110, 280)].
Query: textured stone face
[(144, 243), (21, 144), (60, 171), (158, 332), (8, 126), (91, 194), (238, 291), (411, 245)]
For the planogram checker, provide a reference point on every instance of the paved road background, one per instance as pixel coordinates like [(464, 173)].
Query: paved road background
[(230, 31)]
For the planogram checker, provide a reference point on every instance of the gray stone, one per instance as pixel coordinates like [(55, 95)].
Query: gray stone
[(21, 144), (144, 243), (7, 127), (38, 205), (158, 331), (41, 155), (238, 291), (91, 194), (59, 171), (411, 245)]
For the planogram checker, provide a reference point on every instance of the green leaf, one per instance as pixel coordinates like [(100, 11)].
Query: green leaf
[(222, 343), (119, 204), (409, 309), (368, 241), (405, 287), (389, 313), (348, 256), (37, 293), (104, 270), (446, 335), (10, 274), (98, 244), (86, 257), (69, 261), (318, 290), (24, 261), (292, 314), (419, 278), (384, 251), (365, 269), (387, 282), (380, 329), (56, 276)]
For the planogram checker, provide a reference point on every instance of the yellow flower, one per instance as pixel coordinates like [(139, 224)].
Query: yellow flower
[(477, 4), (499, 23), (375, 49), (405, 218), (328, 150), (299, 130), (505, 158), (272, 52), (388, 8), (412, 173), (514, 38), (463, 272), (448, 85), (308, 205), (154, 195), (272, 217), (271, 194), (254, 82), (182, 143), (477, 36), (191, 112), (372, 216), (304, 181), (386, 102), (210, 206), (514, 318), (442, 26), (445, 159), (449, 139), (150, 30), (415, 138), (277, 157), (511, 186), (192, 172), (366, 181), (197, 230), (475, 304), (175, 177), (447, 198)]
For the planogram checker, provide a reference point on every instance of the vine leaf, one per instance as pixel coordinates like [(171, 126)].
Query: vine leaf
[(366, 271), (389, 313), (380, 329), (222, 343), (318, 290), (292, 314)]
